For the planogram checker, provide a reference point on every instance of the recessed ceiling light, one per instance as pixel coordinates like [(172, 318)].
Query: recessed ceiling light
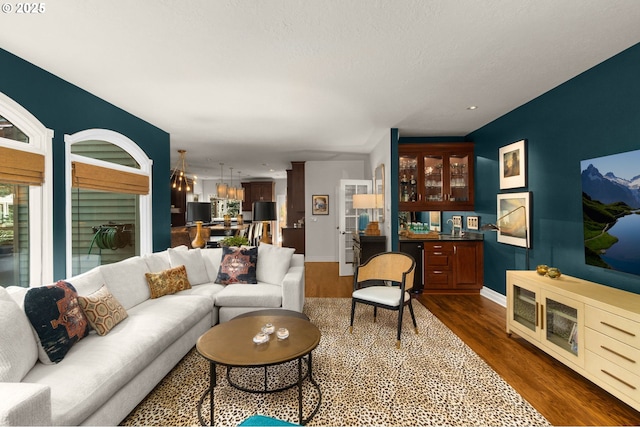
[(472, 107)]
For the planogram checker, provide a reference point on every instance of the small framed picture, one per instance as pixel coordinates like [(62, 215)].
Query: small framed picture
[(320, 204), (513, 221), (513, 165)]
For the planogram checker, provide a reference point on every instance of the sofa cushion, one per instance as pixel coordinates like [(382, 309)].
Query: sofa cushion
[(238, 265), (126, 281), (56, 317), (260, 295), (212, 258), (273, 263), (18, 348), (168, 281), (157, 261), (192, 260), (88, 282), (103, 311)]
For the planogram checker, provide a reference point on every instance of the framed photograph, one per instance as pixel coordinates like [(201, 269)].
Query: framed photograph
[(514, 219), (513, 165), (320, 204)]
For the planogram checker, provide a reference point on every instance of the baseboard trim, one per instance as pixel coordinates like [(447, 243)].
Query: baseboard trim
[(494, 296)]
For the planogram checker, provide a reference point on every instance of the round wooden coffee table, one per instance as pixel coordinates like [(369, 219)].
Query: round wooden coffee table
[(231, 344)]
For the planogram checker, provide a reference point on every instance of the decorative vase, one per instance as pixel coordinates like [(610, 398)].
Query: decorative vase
[(553, 272), (542, 269), (198, 240)]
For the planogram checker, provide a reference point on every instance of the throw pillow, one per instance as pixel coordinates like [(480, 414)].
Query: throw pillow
[(238, 265), (103, 311), (18, 348), (56, 317), (193, 262), (274, 263), (168, 281)]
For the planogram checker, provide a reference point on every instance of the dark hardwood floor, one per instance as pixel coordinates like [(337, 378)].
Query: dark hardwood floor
[(558, 393)]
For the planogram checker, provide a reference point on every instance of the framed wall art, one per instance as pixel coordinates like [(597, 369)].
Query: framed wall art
[(513, 165), (514, 217), (320, 204)]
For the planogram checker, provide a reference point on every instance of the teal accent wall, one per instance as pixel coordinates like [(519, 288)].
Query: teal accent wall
[(592, 115), (67, 109)]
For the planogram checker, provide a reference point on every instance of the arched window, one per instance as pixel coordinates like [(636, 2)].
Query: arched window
[(108, 199), (26, 219)]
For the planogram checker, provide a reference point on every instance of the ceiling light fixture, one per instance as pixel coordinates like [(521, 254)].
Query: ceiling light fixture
[(231, 191), (221, 187), (179, 174), (240, 190), (472, 107)]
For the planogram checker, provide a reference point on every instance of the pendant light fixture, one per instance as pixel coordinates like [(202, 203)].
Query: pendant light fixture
[(179, 179), (240, 190), (231, 191), (221, 188)]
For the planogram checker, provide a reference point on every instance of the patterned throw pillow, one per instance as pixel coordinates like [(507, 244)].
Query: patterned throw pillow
[(103, 310), (56, 317), (168, 281), (238, 265)]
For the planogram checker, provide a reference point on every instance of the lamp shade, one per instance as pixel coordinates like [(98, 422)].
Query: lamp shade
[(364, 201), (264, 211)]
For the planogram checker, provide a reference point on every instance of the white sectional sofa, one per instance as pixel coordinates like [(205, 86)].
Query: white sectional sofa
[(102, 378)]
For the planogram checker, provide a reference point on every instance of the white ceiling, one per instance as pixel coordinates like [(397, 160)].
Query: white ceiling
[(258, 83)]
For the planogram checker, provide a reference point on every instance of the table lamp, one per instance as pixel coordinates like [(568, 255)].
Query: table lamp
[(366, 202), (264, 212)]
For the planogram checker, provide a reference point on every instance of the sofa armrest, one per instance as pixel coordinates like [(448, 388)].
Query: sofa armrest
[(293, 289), (25, 404)]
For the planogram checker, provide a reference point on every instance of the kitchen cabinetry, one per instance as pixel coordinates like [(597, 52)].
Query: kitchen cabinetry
[(436, 176), (591, 328), (453, 266), (416, 250), (256, 191)]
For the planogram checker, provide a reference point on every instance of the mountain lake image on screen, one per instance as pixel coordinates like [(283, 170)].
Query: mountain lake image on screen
[(611, 211)]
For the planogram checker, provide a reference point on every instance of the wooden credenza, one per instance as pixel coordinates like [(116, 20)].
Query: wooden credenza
[(591, 328), (293, 238)]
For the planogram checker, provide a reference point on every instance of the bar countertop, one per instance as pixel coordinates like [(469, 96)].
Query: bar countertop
[(466, 236)]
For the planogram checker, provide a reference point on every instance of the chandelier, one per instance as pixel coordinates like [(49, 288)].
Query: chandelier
[(179, 174)]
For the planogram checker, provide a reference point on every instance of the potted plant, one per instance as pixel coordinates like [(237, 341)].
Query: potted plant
[(234, 241)]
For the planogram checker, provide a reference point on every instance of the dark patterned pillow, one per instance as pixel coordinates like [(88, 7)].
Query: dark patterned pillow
[(56, 317), (238, 265)]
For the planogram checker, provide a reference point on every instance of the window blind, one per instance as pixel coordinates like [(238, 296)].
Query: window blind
[(93, 177), (21, 167)]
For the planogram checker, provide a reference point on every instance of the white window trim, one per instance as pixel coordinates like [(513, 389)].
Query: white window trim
[(40, 197), (146, 226)]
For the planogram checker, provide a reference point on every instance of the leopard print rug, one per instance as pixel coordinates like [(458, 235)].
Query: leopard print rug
[(434, 379)]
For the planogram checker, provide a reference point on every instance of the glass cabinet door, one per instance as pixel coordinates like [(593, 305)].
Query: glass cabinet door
[(561, 324), (525, 310), (459, 178), (408, 178), (433, 180)]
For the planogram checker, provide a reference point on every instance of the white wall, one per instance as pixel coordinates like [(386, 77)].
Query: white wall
[(321, 231), (381, 154)]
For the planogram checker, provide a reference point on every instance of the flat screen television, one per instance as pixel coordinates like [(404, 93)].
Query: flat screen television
[(198, 211), (611, 211)]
